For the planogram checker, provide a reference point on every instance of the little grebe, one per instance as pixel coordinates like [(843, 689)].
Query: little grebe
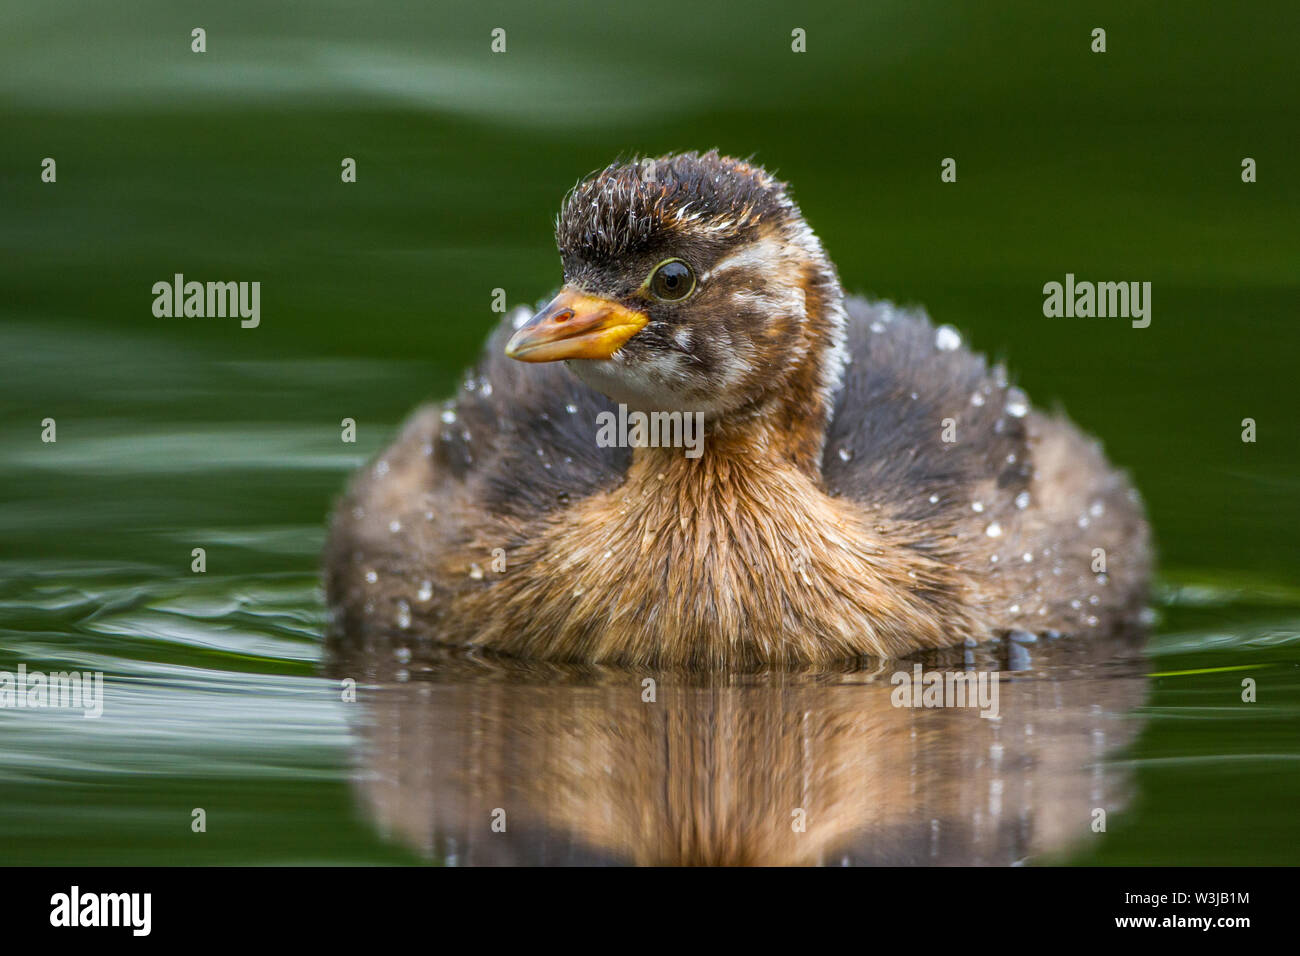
[(864, 485)]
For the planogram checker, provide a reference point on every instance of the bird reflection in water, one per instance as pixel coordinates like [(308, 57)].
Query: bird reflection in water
[(480, 761)]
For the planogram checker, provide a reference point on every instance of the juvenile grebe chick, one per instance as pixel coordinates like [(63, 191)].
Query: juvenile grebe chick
[(864, 485)]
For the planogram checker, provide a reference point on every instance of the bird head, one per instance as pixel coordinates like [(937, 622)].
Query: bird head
[(691, 283)]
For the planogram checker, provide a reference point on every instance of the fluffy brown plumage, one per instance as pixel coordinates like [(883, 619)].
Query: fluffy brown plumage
[(826, 516)]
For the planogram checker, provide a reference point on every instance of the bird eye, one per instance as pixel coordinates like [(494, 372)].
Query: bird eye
[(671, 280)]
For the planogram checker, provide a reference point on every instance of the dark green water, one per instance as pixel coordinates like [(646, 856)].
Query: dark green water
[(175, 434)]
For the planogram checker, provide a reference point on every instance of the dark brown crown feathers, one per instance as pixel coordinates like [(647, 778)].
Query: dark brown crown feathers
[(622, 207)]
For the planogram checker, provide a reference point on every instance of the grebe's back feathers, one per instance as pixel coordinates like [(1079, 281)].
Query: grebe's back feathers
[(902, 380), (1020, 491), (524, 435)]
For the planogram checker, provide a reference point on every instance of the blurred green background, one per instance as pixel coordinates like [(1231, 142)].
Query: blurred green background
[(177, 433)]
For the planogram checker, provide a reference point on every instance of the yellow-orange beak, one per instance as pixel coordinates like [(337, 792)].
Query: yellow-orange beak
[(575, 325)]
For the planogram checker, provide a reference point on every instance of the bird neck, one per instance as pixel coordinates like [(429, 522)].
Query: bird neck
[(786, 424), (789, 421)]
